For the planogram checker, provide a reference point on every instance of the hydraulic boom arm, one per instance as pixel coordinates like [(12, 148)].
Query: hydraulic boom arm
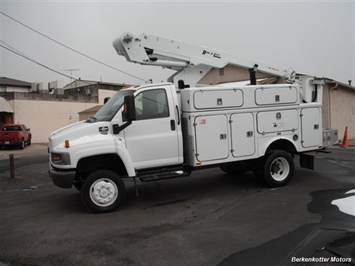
[(191, 62)]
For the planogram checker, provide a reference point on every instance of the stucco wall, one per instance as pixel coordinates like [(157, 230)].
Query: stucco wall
[(326, 115), (105, 93), (342, 102), (43, 117), (229, 74), (14, 89), (44, 113)]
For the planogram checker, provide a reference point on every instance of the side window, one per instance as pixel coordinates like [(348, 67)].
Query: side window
[(151, 104)]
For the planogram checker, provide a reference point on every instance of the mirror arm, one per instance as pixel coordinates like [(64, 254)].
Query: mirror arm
[(117, 129)]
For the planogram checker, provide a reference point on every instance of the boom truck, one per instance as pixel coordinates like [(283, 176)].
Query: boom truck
[(166, 130)]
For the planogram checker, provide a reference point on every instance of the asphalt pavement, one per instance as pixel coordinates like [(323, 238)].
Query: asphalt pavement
[(209, 218)]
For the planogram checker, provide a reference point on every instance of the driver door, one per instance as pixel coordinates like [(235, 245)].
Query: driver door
[(154, 138)]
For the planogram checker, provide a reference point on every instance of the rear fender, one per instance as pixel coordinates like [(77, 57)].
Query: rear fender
[(280, 143)]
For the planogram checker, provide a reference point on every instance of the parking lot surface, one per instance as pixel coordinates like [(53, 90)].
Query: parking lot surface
[(208, 218)]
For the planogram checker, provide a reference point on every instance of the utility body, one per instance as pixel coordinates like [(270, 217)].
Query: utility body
[(159, 131), (15, 135)]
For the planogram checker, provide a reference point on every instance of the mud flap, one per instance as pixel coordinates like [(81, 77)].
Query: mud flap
[(307, 161)]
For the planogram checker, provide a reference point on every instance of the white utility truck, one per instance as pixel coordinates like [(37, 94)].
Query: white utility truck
[(166, 130)]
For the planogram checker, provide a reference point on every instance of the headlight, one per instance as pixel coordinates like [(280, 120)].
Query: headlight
[(60, 158)]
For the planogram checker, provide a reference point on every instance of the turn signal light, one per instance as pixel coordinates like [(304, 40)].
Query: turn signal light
[(67, 144), (56, 157)]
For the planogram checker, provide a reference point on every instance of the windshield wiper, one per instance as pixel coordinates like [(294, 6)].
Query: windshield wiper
[(91, 119)]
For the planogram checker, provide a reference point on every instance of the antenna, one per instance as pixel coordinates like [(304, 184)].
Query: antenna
[(71, 72)]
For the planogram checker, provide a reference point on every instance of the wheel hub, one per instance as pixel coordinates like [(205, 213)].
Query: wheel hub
[(279, 169), (103, 192), (275, 168)]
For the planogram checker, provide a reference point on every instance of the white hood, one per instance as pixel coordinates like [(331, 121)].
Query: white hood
[(79, 133)]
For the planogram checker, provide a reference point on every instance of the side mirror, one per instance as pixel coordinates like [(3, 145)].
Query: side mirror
[(129, 110), (128, 114)]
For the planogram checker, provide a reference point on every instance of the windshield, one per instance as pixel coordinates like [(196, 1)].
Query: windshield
[(108, 111)]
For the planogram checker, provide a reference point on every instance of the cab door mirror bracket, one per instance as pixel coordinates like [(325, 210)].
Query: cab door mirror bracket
[(128, 114)]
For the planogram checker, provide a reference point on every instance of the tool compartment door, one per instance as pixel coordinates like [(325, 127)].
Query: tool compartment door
[(211, 137), (311, 127), (211, 99), (277, 121), (243, 136), (276, 96)]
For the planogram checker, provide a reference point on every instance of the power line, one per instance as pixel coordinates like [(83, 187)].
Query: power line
[(19, 53), (76, 51)]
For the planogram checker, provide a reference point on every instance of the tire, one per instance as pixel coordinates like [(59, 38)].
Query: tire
[(78, 185), (237, 168), (103, 191), (278, 168), (258, 171), (22, 145)]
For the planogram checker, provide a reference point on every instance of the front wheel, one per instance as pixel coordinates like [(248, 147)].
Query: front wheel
[(103, 191), (278, 168)]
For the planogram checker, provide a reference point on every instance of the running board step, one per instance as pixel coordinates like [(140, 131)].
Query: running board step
[(162, 174)]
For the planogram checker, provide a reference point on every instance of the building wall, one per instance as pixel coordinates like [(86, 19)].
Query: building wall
[(14, 89), (229, 74), (45, 113), (105, 93), (342, 111), (326, 114), (87, 113), (92, 90), (44, 117)]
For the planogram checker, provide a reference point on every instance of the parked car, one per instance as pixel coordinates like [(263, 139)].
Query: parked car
[(15, 135)]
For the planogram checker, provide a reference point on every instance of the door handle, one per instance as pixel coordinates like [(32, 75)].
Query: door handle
[(172, 124), (178, 114)]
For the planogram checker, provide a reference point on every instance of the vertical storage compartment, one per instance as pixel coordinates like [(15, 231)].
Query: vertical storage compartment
[(311, 127), (211, 137), (243, 135)]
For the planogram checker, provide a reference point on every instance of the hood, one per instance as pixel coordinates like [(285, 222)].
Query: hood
[(66, 128), (79, 133)]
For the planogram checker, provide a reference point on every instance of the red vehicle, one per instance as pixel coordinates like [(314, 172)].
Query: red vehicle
[(15, 135)]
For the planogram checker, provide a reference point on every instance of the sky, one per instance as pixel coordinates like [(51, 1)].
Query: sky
[(312, 37)]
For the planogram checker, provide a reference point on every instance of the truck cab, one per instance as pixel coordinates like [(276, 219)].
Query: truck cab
[(151, 138)]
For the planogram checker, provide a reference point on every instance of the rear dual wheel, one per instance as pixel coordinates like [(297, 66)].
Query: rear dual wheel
[(275, 169)]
